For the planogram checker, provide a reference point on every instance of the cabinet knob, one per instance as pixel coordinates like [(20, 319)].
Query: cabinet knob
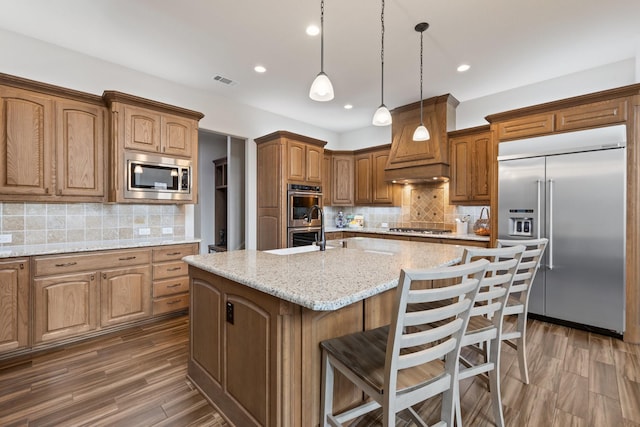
[(66, 264), (21, 266), (174, 268), (104, 275), (93, 277), (126, 258)]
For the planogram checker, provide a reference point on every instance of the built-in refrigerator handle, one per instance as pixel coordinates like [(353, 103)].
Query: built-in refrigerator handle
[(550, 245), (538, 183)]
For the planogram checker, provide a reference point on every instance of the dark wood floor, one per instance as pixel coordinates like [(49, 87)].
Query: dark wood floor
[(137, 378)]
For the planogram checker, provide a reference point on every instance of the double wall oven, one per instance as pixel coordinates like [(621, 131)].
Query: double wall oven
[(302, 229)]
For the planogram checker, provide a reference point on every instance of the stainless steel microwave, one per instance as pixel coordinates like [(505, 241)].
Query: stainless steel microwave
[(157, 177)]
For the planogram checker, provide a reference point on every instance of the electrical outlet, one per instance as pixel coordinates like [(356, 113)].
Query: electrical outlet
[(230, 312), (167, 230), (5, 238), (144, 231)]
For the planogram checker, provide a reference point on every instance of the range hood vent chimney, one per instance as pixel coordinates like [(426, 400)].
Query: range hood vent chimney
[(421, 161)]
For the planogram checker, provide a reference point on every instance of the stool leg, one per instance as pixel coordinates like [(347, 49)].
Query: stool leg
[(522, 348), (494, 383), (326, 398)]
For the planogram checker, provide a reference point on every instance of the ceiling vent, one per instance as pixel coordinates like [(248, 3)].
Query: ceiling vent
[(224, 80)]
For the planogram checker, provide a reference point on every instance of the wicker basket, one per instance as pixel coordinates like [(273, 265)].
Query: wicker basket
[(481, 226)]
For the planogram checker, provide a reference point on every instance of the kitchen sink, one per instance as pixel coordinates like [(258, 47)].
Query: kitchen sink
[(295, 250)]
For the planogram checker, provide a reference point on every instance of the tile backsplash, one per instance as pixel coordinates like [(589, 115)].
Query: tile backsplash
[(423, 206), (46, 223)]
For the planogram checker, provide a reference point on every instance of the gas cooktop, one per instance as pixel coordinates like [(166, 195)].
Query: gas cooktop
[(420, 230)]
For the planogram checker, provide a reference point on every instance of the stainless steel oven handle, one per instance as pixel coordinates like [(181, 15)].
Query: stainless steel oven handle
[(550, 224)]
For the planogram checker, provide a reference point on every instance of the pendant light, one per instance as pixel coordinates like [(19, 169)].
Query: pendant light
[(382, 116), (421, 133), (321, 88)]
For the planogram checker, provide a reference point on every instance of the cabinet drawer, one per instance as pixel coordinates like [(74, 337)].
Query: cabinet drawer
[(93, 261), (172, 303), (163, 288), (170, 269), (174, 252)]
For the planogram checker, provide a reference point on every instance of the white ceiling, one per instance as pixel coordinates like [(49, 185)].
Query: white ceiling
[(508, 43)]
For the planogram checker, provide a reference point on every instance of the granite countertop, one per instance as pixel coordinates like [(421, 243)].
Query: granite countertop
[(386, 231), (61, 248), (331, 279)]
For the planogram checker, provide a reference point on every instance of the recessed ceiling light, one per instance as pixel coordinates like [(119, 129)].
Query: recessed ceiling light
[(313, 30), (348, 106), (463, 67), (259, 69)]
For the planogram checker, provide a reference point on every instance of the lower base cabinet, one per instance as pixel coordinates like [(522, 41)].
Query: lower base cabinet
[(125, 295), (14, 304), (258, 357), (65, 306), (78, 295)]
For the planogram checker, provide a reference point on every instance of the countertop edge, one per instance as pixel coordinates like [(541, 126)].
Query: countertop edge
[(76, 247)]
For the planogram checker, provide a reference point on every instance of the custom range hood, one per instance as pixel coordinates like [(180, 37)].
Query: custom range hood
[(421, 161)]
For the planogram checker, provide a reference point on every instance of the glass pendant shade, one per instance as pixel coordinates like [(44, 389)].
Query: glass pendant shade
[(421, 133), (382, 116), (321, 88)]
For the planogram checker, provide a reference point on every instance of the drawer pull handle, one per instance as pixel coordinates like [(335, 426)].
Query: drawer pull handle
[(174, 253), (174, 268), (174, 285), (127, 258), (66, 264), (174, 302)]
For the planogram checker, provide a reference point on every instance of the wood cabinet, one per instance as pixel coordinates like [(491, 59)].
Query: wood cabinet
[(242, 336), (304, 162), (171, 278), (65, 306), (599, 113), (141, 125), (342, 180), (14, 304), (52, 145), (26, 142), (411, 161), (125, 295), (75, 294), (283, 158), (80, 149), (471, 159), (327, 174), (371, 187)]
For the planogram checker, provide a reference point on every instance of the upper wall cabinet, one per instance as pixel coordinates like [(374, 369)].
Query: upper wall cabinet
[(411, 161), (371, 188), (48, 132), (470, 163), (145, 126)]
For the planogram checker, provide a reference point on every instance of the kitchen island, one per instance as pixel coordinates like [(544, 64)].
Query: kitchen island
[(257, 319)]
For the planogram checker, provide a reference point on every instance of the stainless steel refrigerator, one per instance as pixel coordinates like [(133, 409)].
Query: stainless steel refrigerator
[(570, 188)]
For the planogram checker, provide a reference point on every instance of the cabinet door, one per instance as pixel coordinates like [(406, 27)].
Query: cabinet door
[(326, 179), (65, 306), (26, 142), (141, 129), (342, 180), (459, 185), (383, 192), (296, 161), (177, 136), (362, 179), (480, 165), (125, 295), (314, 159), (80, 149), (14, 311)]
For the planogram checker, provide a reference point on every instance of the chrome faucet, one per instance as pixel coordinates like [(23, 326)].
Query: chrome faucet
[(322, 243)]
